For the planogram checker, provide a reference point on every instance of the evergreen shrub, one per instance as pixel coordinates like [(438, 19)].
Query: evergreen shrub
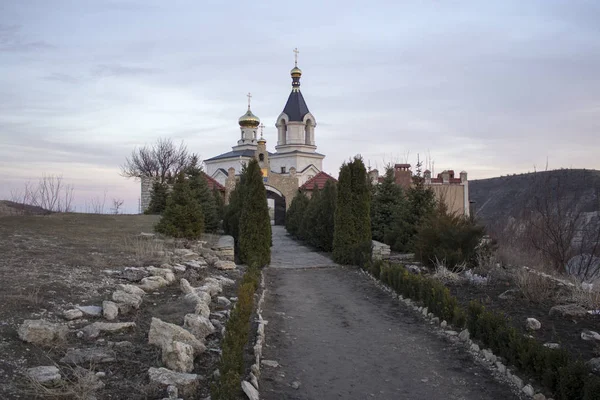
[(295, 214), (182, 217), (158, 198)]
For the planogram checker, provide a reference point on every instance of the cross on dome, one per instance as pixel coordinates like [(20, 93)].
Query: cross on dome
[(296, 51), (249, 95)]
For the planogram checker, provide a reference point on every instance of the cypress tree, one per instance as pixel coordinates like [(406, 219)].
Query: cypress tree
[(202, 193), (255, 223), (158, 198), (183, 217), (352, 232), (387, 206), (219, 204), (326, 219), (308, 225), (233, 210), (295, 214)]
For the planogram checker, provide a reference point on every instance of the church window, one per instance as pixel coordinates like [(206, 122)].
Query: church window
[(261, 157), (283, 170)]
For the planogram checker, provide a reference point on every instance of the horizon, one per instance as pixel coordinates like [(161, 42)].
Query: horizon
[(492, 89)]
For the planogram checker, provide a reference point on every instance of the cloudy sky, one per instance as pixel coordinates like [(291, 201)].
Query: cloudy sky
[(490, 87)]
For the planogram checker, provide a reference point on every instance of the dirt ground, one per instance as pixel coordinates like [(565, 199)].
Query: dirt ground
[(51, 263)]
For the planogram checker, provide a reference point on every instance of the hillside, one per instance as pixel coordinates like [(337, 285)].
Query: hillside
[(498, 199), (8, 208)]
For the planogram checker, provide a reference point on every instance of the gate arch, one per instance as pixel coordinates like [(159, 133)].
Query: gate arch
[(279, 202)]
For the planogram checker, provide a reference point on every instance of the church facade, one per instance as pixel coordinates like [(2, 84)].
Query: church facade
[(294, 162)]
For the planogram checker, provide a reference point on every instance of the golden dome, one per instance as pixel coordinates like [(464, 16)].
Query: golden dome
[(296, 71), (262, 140), (249, 120)]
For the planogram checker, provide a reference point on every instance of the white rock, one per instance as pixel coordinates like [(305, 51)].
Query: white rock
[(185, 286), (250, 390), (270, 363), (475, 347), (179, 268), (424, 311), (464, 335), (41, 332), (73, 314), (224, 301), (451, 333), (196, 264), (517, 381), (202, 309), (95, 355), (186, 383), (153, 283), (122, 297), (590, 335), (198, 325), (528, 390), (225, 265), (539, 396), (443, 324), (165, 273), (110, 310), (594, 364), (295, 385), (134, 274), (44, 374), (178, 356), (225, 281), (212, 287), (533, 324), (253, 380), (92, 311), (93, 330), (552, 345), (163, 333), (568, 310), (131, 289), (501, 367), (489, 356)]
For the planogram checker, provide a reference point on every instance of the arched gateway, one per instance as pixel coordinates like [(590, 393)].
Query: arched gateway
[(277, 205)]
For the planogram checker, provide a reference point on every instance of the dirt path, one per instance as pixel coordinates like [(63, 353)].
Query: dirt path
[(340, 337)]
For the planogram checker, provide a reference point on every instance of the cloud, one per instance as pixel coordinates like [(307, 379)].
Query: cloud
[(11, 41), (115, 70)]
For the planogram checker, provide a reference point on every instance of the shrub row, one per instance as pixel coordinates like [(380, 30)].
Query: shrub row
[(237, 331), (567, 378)]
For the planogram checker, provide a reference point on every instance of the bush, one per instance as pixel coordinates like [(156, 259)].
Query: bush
[(387, 206), (203, 195), (449, 238), (158, 198), (233, 211), (310, 219), (352, 227), (295, 214), (183, 217), (255, 223), (237, 332)]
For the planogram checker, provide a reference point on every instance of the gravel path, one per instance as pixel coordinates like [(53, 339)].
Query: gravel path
[(336, 335)]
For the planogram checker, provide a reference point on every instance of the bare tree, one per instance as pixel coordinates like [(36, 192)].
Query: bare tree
[(117, 204), (163, 160), (50, 192), (97, 205)]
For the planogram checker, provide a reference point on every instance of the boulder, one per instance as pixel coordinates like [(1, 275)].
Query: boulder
[(528, 390), (568, 310), (185, 254), (594, 364), (132, 300), (46, 375), (202, 309), (165, 273), (41, 332), (163, 333), (153, 283), (211, 286), (224, 281), (590, 335), (73, 314), (179, 268), (91, 311), (225, 265), (223, 301), (464, 335), (198, 325), (134, 274), (132, 289), (381, 251), (585, 267), (195, 264), (187, 384), (533, 324), (225, 248), (95, 355), (185, 286), (250, 390), (178, 356), (110, 310), (94, 330)]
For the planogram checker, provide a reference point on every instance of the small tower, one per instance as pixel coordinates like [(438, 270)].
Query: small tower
[(248, 125), (296, 125), (262, 155)]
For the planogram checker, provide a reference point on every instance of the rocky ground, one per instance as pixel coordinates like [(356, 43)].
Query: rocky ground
[(94, 308)]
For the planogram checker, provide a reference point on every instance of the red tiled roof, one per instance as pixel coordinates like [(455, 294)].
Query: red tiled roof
[(319, 180), (213, 184)]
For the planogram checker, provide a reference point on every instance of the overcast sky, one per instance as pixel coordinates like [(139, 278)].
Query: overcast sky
[(490, 87)]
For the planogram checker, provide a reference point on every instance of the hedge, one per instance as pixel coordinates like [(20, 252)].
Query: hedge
[(237, 331), (567, 378)]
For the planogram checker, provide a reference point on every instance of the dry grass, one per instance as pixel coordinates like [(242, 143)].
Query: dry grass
[(146, 250), (585, 296), (443, 274), (77, 384), (535, 287)]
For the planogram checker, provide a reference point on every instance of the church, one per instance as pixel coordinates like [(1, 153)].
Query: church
[(294, 165)]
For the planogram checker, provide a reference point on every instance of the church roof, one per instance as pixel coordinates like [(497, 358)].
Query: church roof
[(296, 107), (213, 184), (233, 154), (319, 180)]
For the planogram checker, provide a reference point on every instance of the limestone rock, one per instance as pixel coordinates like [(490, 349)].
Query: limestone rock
[(41, 332), (195, 264), (568, 310), (185, 383), (533, 324), (224, 281), (165, 273), (198, 325), (528, 390), (132, 289), (153, 283), (179, 268), (178, 356), (594, 364), (211, 286), (73, 314), (443, 324), (464, 335), (489, 356), (225, 265), (517, 381), (270, 363), (225, 248), (110, 310), (224, 301), (552, 345), (44, 374), (586, 334), (202, 309), (91, 311), (129, 299), (163, 333), (501, 367), (95, 355), (92, 331), (133, 274), (185, 286), (585, 267), (250, 390), (539, 396), (475, 347)]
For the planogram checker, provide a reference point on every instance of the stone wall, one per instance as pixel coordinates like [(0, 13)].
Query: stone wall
[(146, 185)]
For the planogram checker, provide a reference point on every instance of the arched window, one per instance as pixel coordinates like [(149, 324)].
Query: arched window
[(282, 132), (261, 157), (307, 132)]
